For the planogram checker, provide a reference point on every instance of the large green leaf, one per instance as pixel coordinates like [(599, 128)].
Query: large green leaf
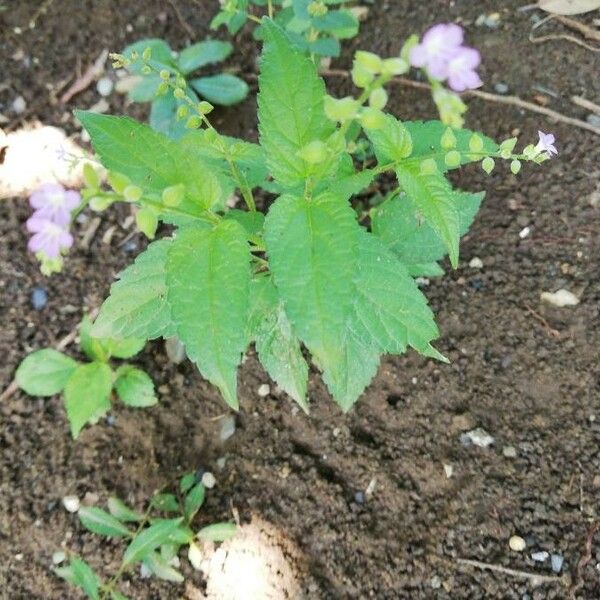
[(392, 142), (151, 160), (150, 539), (433, 196), (208, 274), (137, 306), (388, 304), (276, 343), (312, 249), (87, 394), (290, 106), (398, 224), (99, 521), (45, 372), (224, 89), (427, 136), (135, 387), (203, 53)]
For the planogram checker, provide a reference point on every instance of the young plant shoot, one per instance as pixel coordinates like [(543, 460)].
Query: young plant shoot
[(307, 273)]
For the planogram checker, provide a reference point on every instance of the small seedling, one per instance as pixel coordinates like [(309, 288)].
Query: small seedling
[(154, 538), (87, 387)]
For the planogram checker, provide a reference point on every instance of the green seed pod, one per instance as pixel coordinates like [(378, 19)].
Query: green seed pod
[(165, 75), (378, 98), (205, 108), (173, 196), (448, 140), (515, 166), (194, 122), (452, 159), (317, 9), (372, 118), (369, 61), (509, 144), (117, 181), (147, 54), (487, 164), (90, 176), (314, 152), (146, 70), (179, 93), (182, 112), (342, 109), (147, 222), (475, 143), (132, 193), (162, 88)]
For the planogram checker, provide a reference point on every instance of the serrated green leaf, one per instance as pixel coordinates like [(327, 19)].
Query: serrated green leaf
[(223, 89), (208, 274), (276, 343), (121, 511), (137, 306), (85, 578), (424, 269), (165, 503), (433, 196), (99, 521), (392, 142), (251, 221), (290, 106), (150, 539), (217, 532), (135, 387), (87, 395), (203, 53), (193, 501), (397, 222), (313, 269), (151, 160), (45, 372), (161, 568), (427, 136)]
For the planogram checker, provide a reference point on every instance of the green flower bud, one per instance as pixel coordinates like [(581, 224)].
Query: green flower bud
[(146, 70), (132, 193), (448, 139), (342, 109), (172, 196), (179, 93), (162, 88), (487, 164), (165, 75), (182, 112), (147, 222), (90, 176), (372, 118), (361, 77), (515, 166), (205, 108), (428, 166), (135, 55), (369, 61), (378, 98), (317, 9), (194, 122), (314, 152), (394, 66), (147, 54), (452, 159), (117, 181), (475, 143)]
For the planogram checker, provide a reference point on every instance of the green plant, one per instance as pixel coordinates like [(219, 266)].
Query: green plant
[(87, 386), (223, 88), (154, 538), (315, 27), (318, 270)]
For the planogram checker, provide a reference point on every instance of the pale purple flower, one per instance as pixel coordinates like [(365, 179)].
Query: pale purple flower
[(546, 143), (53, 203), (461, 69), (49, 238), (438, 46)]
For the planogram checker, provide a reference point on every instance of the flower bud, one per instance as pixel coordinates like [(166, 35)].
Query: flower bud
[(378, 98), (147, 222), (182, 112), (146, 70), (165, 75), (147, 54), (132, 193), (179, 93), (487, 164), (314, 152), (342, 109), (172, 196), (515, 166), (369, 61), (100, 203), (205, 108), (372, 118), (162, 88), (509, 144), (317, 9), (394, 66), (194, 122)]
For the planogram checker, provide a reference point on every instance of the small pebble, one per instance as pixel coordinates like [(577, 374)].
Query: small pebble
[(560, 298), (111, 420), (71, 503), (359, 497), (19, 556), (448, 470), (524, 232), (556, 560), (501, 88), (208, 480), (19, 105), (541, 556), (264, 390), (436, 582), (593, 120), (476, 284), (476, 263), (175, 350), (478, 437), (58, 557), (130, 246), (39, 298), (227, 428), (517, 543), (221, 461), (509, 452), (145, 572), (104, 86)]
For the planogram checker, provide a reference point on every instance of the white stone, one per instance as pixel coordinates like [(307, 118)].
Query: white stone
[(19, 105), (104, 86), (71, 503), (264, 390), (476, 263), (175, 350), (509, 452), (478, 437), (540, 556), (208, 480), (560, 298), (524, 232), (517, 543), (449, 470), (195, 556), (227, 428), (58, 557)]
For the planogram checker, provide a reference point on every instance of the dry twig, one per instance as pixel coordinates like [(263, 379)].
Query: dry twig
[(91, 74), (551, 331), (189, 30), (535, 578), (585, 103), (584, 560)]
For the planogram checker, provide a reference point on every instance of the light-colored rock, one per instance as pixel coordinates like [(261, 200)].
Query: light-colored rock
[(509, 452), (71, 503), (104, 86), (175, 350), (59, 557), (264, 390), (556, 561), (448, 470), (478, 437), (227, 427), (524, 232), (560, 298), (541, 556), (19, 105), (476, 263), (208, 480), (517, 543)]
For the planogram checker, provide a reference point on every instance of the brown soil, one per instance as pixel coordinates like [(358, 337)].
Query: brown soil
[(530, 389)]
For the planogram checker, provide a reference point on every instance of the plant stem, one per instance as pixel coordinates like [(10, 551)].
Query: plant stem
[(270, 7)]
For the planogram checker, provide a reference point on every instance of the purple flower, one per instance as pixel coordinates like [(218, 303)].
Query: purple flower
[(438, 46), (461, 70), (49, 238), (546, 143), (53, 203)]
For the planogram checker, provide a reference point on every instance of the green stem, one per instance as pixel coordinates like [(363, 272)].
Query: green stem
[(270, 8)]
